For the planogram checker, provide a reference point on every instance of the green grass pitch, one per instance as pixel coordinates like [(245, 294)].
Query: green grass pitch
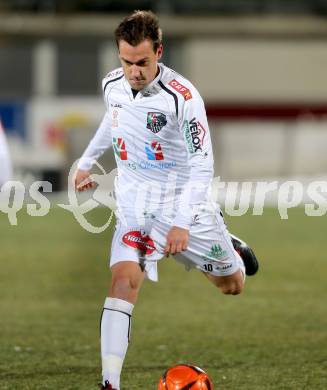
[(53, 280)]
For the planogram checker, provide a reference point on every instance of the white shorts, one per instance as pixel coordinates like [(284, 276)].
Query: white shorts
[(209, 250)]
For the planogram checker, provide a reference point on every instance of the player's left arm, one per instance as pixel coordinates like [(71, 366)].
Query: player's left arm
[(193, 124)]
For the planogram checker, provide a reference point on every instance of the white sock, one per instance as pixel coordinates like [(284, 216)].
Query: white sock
[(115, 333)]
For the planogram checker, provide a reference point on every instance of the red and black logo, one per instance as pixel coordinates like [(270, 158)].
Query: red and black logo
[(137, 240), (156, 121)]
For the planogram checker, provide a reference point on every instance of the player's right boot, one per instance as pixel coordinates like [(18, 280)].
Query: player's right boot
[(249, 259), (106, 386)]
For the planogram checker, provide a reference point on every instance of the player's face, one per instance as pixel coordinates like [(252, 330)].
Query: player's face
[(140, 63)]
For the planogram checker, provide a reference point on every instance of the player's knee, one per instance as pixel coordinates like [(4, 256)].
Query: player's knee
[(232, 288), (123, 287)]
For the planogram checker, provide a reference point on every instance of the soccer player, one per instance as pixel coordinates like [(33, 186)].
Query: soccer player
[(5, 164), (157, 125)]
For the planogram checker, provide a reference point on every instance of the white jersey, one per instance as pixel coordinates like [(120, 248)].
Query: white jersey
[(161, 143), (5, 165)]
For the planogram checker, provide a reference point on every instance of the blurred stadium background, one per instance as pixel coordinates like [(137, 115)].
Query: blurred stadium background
[(261, 68)]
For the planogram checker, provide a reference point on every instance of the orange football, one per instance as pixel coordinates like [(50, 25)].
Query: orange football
[(185, 377)]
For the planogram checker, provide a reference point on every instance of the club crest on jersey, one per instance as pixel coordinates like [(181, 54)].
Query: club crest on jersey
[(119, 148), (156, 121), (154, 151), (137, 240), (181, 89)]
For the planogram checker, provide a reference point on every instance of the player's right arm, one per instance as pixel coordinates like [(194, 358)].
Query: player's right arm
[(82, 180), (98, 145)]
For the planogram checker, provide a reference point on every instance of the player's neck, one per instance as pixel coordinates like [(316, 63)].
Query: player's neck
[(135, 92)]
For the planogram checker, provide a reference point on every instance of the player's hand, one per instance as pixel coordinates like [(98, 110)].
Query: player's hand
[(82, 180), (177, 240)]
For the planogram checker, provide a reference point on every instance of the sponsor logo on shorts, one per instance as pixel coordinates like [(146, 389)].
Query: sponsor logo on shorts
[(181, 89), (223, 267), (156, 121), (194, 134), (153, 150), (216, 253), (142, 242)]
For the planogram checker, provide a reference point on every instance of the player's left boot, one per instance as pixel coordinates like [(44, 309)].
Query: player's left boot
[(106, 386), (249, 259)]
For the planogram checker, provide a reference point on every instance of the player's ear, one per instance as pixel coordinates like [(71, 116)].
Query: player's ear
[(159, 51)]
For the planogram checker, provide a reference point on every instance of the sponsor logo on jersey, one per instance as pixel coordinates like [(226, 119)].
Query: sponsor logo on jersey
[(181, 89), (194, 134), (131, 165), (142, 242), (116, 105), (153, 150), (119, 148), (157, 165), (114, 118), (156, 121)]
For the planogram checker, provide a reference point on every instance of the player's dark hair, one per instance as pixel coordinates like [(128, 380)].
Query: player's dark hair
[(137, 27)]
